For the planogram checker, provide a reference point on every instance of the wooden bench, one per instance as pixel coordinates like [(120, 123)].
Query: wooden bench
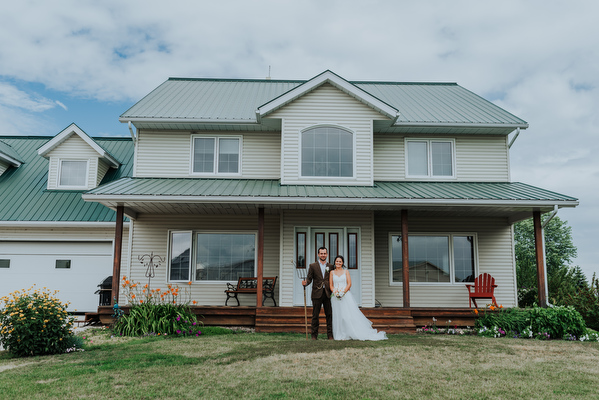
[(483, 288), (250, 286)]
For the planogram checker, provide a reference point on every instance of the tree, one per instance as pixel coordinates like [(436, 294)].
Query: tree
[(562, 277)]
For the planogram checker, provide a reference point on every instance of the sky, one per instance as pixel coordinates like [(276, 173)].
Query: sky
[(87, 62)]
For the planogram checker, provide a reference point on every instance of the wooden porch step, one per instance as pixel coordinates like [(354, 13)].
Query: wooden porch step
[(293, 319)]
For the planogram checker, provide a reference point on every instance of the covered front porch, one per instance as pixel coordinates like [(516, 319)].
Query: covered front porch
[(280, 217)]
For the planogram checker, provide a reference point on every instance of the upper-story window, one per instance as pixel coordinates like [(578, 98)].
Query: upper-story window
[(216, 155), (327, 151), (73, 174), (430, 158)]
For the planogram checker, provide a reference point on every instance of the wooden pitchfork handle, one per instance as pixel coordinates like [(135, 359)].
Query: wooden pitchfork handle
[(306, 314)]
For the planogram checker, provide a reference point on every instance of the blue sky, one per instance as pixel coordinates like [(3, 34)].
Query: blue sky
[(88, 62)]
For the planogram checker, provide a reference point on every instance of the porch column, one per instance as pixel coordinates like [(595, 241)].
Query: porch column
[(538, 229), (118, 249), (260, 255), (405, 260)]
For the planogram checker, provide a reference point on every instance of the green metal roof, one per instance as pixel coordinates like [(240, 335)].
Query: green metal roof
[(263, 189), (7, 152), (23, 190), (231, 101)]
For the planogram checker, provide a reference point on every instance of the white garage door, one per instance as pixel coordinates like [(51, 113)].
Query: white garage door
[(73, 268)]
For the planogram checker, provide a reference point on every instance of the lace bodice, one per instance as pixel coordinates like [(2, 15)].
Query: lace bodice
[(339, 282)]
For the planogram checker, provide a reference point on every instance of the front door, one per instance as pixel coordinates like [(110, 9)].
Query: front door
[(338, 241)]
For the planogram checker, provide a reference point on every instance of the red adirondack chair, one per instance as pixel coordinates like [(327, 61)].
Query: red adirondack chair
[(483, 288)]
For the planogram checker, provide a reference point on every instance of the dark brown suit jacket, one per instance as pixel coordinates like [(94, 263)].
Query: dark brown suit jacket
[(319, 283)]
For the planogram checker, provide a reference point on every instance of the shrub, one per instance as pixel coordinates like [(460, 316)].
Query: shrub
[(156, 311), (558, 321), (34, 323), (508, 319), (541, 323), (586, 302)]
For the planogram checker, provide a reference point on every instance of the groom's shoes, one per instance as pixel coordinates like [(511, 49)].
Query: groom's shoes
[(314, 337), (330, 338)]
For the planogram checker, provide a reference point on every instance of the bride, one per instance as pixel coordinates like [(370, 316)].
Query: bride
[(348, 320)]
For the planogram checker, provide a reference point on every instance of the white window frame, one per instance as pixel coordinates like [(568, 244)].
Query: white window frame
[(429, 160), (451, 257), (170, 255), (193, 255), (327, 178), (72, 187), (217, 139)]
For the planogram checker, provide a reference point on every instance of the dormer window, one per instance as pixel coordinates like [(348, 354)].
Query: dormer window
[(327, 151), (73, 174)]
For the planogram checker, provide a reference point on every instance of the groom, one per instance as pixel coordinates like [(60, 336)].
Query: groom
[(318, 273)]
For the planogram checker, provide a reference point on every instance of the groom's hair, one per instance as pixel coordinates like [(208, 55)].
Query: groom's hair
[(322, 248)]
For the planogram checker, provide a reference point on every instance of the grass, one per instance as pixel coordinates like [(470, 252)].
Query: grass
[(286, 366)]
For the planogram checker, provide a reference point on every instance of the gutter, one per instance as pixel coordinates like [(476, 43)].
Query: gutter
[(543, 225), (132, 134)]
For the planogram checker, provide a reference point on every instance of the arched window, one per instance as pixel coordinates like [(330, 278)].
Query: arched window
[(327, 151)]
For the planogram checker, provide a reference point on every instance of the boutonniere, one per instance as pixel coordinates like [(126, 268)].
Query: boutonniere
[(326, 269)]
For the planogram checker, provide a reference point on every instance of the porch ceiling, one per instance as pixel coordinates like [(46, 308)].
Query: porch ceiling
[(511, 200)]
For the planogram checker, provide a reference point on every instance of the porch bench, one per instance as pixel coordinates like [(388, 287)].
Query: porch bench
[(250, 286)]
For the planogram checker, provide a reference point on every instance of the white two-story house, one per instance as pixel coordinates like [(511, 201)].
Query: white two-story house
[(235, 178)]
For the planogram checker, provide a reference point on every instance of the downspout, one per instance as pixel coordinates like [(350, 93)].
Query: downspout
[(132, 134), (513, 140), (543, 225)]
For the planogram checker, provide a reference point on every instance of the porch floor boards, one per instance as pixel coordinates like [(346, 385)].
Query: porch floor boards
[(291, 319)]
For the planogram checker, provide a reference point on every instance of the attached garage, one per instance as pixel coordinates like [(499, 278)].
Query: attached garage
[(73, 268)]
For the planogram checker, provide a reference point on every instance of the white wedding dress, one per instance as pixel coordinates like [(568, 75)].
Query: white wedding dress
[(348, 320)]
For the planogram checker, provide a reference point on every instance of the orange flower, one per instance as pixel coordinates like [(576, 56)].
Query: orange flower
[(146, 285), (492, 308), (189, 283), (194, 302), (133, 296), (476, 311)]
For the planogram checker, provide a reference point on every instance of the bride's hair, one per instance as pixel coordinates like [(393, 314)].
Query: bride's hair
[(342, 260)]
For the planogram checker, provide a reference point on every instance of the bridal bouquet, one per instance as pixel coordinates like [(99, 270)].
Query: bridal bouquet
[(338, 294)]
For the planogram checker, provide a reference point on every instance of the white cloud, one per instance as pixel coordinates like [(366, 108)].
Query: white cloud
[(10, 96)]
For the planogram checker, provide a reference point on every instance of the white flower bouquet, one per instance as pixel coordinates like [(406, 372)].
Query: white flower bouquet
[(338, 294)]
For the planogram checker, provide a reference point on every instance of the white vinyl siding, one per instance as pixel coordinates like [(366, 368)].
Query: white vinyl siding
[(494, 255), (327, 105), (151, 234), (76, 149), (328, 219), (477, 158), (103, 168), (168, 154)]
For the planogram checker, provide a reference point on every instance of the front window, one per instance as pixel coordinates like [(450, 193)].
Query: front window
[(225, 256), (204, 256), (327, 151), (434, 258), (216, 155), (73, 173), (430, 158)]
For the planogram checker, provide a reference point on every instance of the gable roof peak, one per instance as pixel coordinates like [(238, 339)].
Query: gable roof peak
[(335, 80), (69, 131)]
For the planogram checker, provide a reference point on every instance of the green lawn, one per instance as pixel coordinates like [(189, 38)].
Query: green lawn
[(287, 366)]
